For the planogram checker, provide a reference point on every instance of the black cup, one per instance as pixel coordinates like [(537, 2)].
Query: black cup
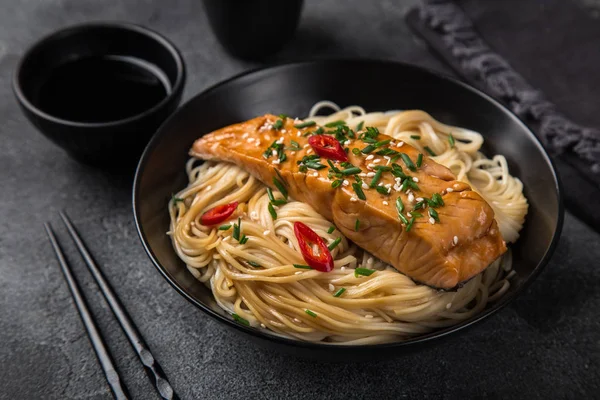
[(253, 29), (105, 143)]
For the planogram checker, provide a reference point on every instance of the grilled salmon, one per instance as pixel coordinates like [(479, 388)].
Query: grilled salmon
[(382, 194)]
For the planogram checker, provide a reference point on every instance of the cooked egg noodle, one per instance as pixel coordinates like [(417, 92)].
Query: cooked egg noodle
[(382, 307)]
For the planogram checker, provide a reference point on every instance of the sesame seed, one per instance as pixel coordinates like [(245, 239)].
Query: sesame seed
[(385, 203), (331, 287), (371, 174), (315, 174), (388, 185), (297, 320), (257, 143), (345, 182), (298, 273), (280, 140), (415, 179), (431, 220), (309, 151), (400, 144), (370, 260), (449, 190), (299, 134), (209, 187), (456, 186), (254, 215), (455, 240), (274, 153), (386, 157), (371, 166), (263, 326), (283, 131), (293, 153), (408, 214), (245, 135), (365, 186), (268, 137), (411, 197), (306, 145), (377, 160), (343, 268), (369, 157), (250, 140), (267, 232), (448, 306), (419, 199), (369, 316), (276, 161), (226, 238), (353, 198)]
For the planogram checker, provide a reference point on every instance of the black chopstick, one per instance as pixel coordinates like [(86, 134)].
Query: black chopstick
[(151, 365), (112, 376)]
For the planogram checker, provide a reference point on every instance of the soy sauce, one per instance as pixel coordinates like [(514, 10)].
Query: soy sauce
[(102, 89)]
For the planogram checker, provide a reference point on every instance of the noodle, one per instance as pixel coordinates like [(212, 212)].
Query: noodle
[(258, 282)]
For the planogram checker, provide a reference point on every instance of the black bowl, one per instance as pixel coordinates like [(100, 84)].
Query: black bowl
[(99, 143), (376, 85)]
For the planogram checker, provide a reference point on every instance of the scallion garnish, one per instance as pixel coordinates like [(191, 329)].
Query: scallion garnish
[(416, 137), (272, 211), (409, 164), (360, 126), (333, 167), (244, 239), (295, 146), (278, 124), (225, 227), (419, 160), (412, 184), (254, 264), (437, 199), (305, 124), (403, 218), (382, 143), (236, 229), (363, 272), (410, 224), (176, 199), (356, 151), (419, 204), (434, 214), (334, 244), (368, 149), (404, 185), (335, 124), (339, 292), (351, 171), (451, 140), (399, 205), (357, 225), (376, 178), (301, 266), (313, 164), (431, 153), (336, 184), (416, 214), (331, 229), (270, 194), (359, 191), (382, 190), (279, 185), (279, 202), (398, 172), (312, 314), (240, 320)]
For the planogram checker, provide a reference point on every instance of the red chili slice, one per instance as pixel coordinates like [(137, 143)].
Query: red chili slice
[(328, 147), (218, 214), (306, 238)]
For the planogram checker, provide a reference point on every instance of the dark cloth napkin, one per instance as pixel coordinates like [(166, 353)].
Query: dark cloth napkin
[(542, 60)]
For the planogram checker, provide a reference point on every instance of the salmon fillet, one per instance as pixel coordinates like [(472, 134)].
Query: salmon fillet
[(443, 252)]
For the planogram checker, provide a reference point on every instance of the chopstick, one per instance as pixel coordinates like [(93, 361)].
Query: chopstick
[(151, 365), (112, 376)]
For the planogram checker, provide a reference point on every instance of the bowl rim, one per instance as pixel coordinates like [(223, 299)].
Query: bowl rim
[(412, 342), (72, 30)]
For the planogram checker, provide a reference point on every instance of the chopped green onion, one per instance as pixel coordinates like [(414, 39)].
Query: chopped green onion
[(282, 116), (357, 225), (351, 171), (336, 184), (334, 244), (398, 172), (279, 202), (437, 199), (236, 229), (331, 229), (451, 140), (418, 205), (434, 214), (270, 194), (399, 205), (312, 164), (416, 214), (356, 151), (305, 124), (301, 266), (376, 178), (280, 186), (368, 149), (363, 272), (225, 227), (412, 184), (419, 160), (278, 124), (272, 211), (333, 167), (360, 126), (254, 264), (416, 137), (431, 153), (383, 168), (319, 131), (359, 191), (339, 292), (404, 185), (408, 161), (176, 199), (382, 143), (295, 146), (410, 224), (403, 218), (244, 239), (312, 314), (335, 124), (240, 320), (382, 190), (396, 157)]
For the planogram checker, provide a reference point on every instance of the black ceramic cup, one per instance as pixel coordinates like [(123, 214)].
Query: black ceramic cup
[(253, 29), (111, 139)]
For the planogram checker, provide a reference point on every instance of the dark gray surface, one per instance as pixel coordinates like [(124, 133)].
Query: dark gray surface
[(545, 345)]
